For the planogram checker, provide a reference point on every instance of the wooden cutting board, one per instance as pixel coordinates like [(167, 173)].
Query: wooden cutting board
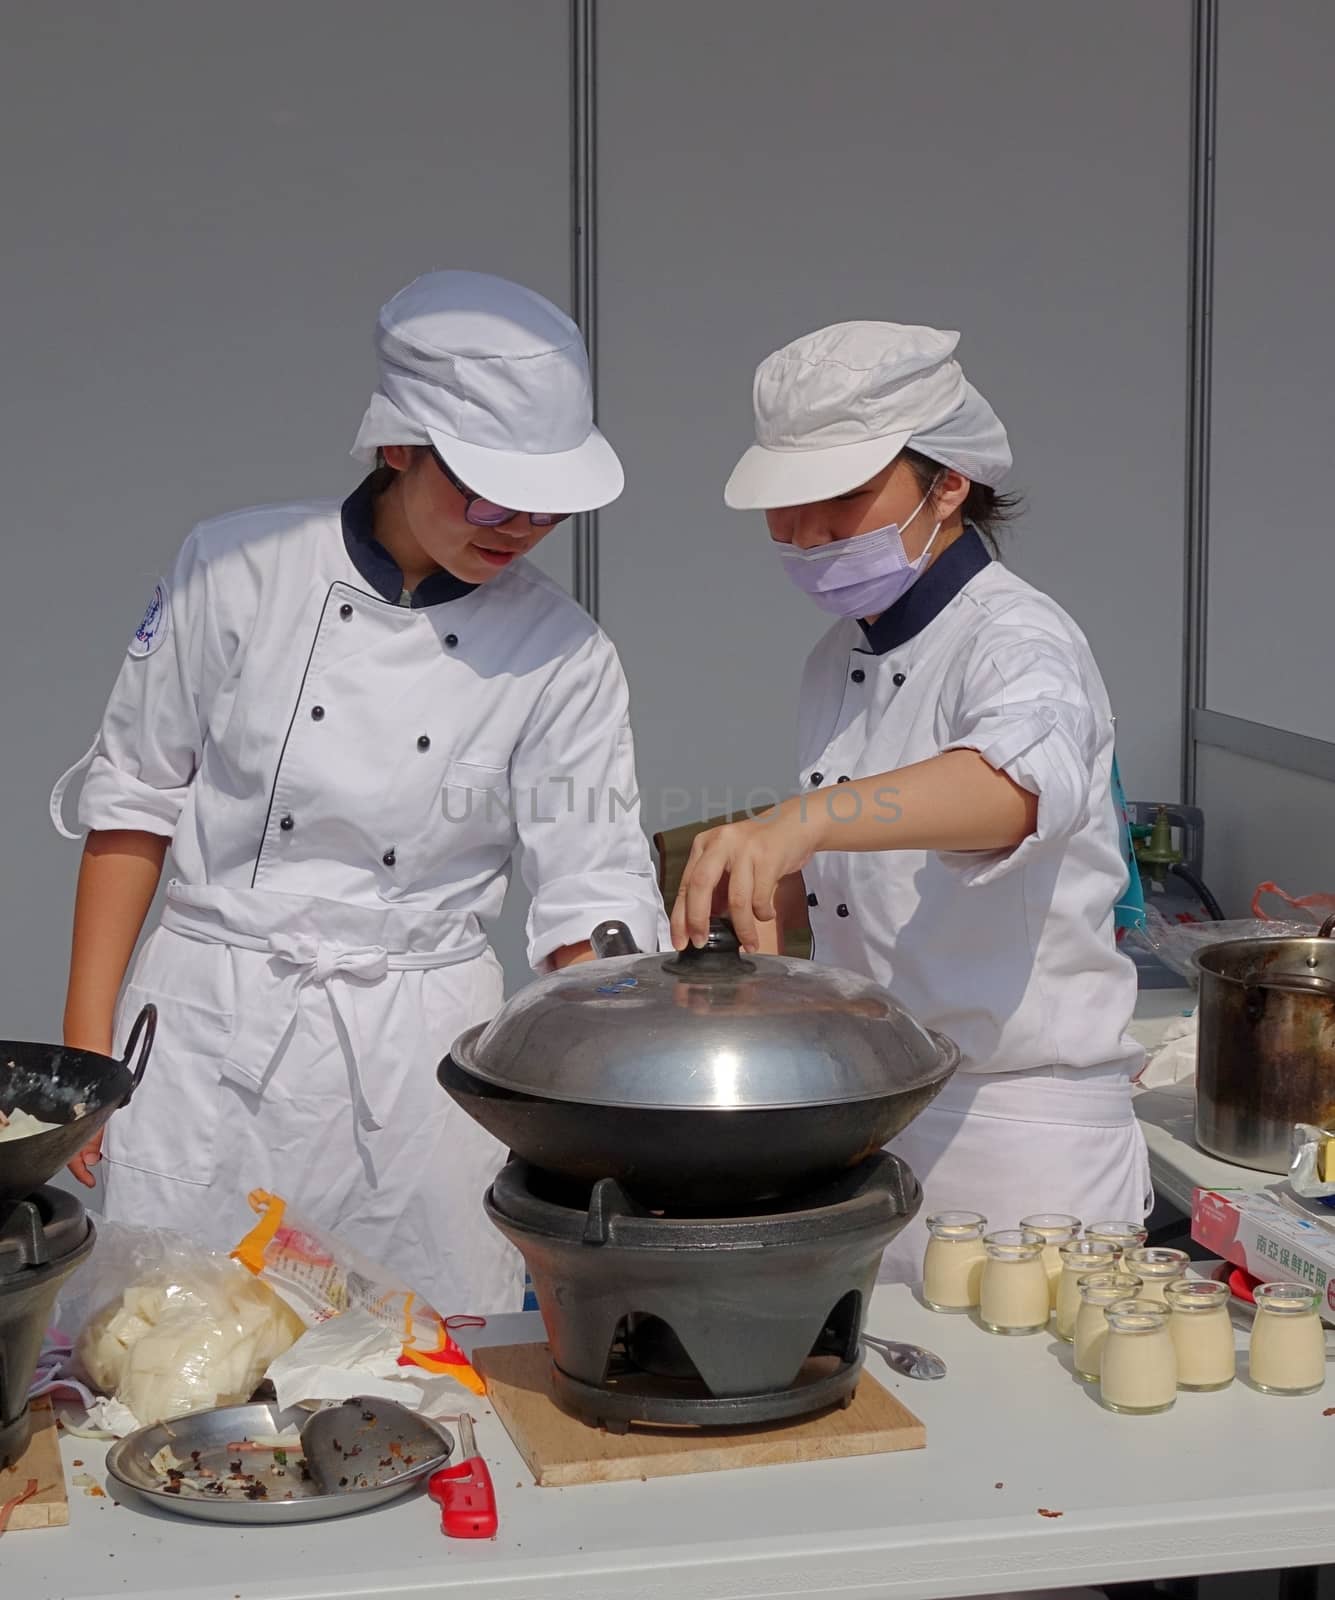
[(561, 1451), (49, 1507)]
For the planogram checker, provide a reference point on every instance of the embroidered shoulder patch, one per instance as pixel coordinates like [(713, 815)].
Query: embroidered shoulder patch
[(152, 631)]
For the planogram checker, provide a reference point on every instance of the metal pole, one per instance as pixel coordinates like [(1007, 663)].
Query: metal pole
[(1204, 105), (584, 265)]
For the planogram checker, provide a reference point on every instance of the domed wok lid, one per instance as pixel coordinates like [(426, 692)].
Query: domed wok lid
[(706, 1029)]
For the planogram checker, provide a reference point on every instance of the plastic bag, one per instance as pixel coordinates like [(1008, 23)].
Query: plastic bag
[(1177, 944), (1312, 1166), (166, 1327), (1316, 906), (320, 1277)]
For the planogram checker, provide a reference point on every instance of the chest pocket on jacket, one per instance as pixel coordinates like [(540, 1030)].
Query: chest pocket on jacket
[(477, 805)]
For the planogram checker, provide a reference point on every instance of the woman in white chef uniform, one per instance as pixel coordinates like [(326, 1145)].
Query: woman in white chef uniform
[(343, 720), (954, 836)]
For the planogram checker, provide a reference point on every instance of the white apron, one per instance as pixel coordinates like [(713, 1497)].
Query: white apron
[(1020, 1143), (306, 1066)]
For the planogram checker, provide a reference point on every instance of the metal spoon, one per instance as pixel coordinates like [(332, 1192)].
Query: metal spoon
[(370, 1444), (909, 1360)]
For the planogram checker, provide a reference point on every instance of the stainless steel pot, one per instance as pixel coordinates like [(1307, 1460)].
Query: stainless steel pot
[(1266, 1048)]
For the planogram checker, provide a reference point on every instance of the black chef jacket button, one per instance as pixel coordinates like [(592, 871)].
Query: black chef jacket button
[(389, 857), (817, 778), (843, 779), (317, 713), (811, 900), (286, 824), (345, 611), (858, 675), (841, 911), (899, 680), (423, 741), (451, 639)]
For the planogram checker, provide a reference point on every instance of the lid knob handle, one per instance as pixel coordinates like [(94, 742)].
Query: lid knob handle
[(720, 953), (613, 939)]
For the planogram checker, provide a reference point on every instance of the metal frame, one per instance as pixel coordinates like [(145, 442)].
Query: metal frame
[(1204, 104), (584, 256), (1277, 747)]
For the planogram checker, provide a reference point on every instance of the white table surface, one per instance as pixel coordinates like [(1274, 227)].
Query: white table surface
[(1235, 1481)]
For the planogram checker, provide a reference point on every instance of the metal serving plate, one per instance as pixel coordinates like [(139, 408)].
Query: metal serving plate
[(130, 1464)]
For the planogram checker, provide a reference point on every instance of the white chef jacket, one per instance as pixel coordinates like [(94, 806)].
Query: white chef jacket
[(1010, 954), (292, 728), (345, 774)]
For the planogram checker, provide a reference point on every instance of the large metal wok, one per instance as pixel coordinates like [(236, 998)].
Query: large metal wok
[(704, 1079), (77, 1089)]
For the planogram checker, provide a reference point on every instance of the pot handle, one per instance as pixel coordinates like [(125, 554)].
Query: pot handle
[(145, 1023), (1296, 983), (613, 939), (1327, 928)]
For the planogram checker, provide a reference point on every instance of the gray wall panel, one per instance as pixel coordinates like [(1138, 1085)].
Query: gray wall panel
[(204, 208), (1019, 172)]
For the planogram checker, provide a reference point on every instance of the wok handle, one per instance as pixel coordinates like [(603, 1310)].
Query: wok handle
[(145, 1023), (613, 939)]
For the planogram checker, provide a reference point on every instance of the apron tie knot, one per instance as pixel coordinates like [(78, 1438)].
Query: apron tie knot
[(319, 961)]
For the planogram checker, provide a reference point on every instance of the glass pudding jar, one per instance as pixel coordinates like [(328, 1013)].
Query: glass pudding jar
[(1081, 1258), (1097, 1292), (1125, 1235), (952, 1267), (1288, 1345), (1138, 1362), (1202, 1333), (1013, 1294), (1156, 1269), (1055, 1229)]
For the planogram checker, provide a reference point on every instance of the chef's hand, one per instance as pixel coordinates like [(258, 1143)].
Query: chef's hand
[(87, 1158), (737, 868)]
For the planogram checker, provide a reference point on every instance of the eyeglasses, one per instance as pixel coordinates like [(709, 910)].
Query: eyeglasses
[(486, 513)]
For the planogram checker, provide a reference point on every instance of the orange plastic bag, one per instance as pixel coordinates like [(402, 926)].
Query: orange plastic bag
[(1316, 906)]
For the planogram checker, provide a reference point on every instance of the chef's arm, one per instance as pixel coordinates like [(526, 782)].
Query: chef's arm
[(952, 802), (118, 878), (570, 955)]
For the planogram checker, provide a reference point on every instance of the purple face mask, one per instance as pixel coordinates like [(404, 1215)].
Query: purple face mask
[(861, 576)]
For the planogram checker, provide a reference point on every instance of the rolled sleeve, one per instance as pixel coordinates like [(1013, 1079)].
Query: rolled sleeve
[(1024, 708), (585, 858), (151, 738)]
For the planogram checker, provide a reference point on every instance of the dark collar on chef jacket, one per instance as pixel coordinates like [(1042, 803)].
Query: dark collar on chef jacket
[(930, 596), (379, 568)]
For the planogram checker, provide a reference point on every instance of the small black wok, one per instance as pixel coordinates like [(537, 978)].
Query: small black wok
[(78, 1089)]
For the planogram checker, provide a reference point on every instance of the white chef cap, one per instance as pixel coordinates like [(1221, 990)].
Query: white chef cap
[(836, 406)]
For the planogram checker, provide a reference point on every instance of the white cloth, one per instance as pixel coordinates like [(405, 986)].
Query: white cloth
[(497, 379), (1012, 954), (836, 406), (1014, 1145), (345, 782), (1173, 1059)]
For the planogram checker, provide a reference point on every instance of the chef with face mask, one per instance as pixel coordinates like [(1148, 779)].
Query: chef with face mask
[(345, 721), (954, 834)]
